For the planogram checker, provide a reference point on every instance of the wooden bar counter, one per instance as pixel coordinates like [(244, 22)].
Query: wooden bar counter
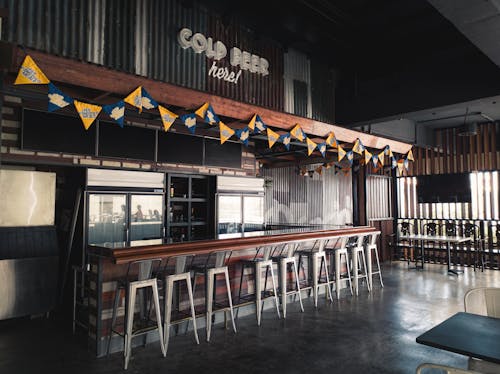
[(109, 262)]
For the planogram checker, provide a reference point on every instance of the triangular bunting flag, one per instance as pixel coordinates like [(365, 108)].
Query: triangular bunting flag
[(251, 124), (30, 73), (322, 149), (243, 135), (259, 124), (57, 98), (210, 116), (381, 158), (376, 169), (272, 137), (346, 170), (116, 111), (135, 98), (167, 117), (388, 151), (350, 156), (189, 121), (409, 156), (88, 112), (368, 156), (341, 152), (400, 167), (200, 112), (394, 162), (332, 140), (311, 146), (358, 147), (147, 101), (297, 133), (406, 163), (225, 132), (285, 139), (375, 160), (319, 170)]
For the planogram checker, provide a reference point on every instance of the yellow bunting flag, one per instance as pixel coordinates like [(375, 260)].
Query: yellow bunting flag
[(368, 156), (388, 151), (272, 137), (409, 156), (341, 152), (200, 112), (88, 112), (358, 147), (400, 166), (225, 132), (311, 146), (30, 73), (251, 124), (135, 98), (346, 170), (381, 158), (167, 117), (319, 170), (297, 133), (332, 140)]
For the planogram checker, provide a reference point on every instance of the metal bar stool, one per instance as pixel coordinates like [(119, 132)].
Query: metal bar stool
[(340, 252), (216, 264), (358, 263), (284, 260), (371, 245), (170, 278), (261, 293), (140, 276)]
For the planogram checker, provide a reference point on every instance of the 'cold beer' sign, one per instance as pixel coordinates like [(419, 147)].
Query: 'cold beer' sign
[(217, 50)]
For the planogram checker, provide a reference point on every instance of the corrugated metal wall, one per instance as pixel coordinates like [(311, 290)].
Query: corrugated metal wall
[(322, 92), (297, 67), (378, 197), (140, 37), (293, 199)]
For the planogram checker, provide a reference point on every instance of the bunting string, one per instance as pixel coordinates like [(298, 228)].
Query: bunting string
[(140, 99)]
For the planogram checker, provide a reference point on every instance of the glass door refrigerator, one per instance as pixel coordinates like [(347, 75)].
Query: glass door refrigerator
[(239, 205)]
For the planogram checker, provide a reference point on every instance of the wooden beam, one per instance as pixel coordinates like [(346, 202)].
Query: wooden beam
[(88, 75)]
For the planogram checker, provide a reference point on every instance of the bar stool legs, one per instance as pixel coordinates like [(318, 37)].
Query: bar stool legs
[(369, 249), (169, 285), (210, 280), (283, 265), (319, 257), (338, 258), (259, 302), (132, 289), (358, 257)]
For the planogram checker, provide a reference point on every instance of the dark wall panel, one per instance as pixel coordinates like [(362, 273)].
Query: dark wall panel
[(179, 148)]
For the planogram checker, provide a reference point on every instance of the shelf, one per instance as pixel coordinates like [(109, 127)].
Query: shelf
[(198, 223), (180, 199), (179, 224)]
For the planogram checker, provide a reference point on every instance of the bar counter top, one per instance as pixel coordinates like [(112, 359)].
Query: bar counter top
[(122, 252)]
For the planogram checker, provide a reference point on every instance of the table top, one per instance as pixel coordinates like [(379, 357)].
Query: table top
[(467, 334), (438, 238)]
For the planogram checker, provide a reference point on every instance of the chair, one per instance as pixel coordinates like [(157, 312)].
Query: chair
[(451, 229), (484, 301), (358, 263), (140, 277), (336, 253), (405, 228), (215, 264), (432, 229), (169, 278), (443, 368), (473, 231), (371, 246)]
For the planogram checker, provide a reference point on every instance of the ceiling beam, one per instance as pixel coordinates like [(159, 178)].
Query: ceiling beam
[(83, 74)]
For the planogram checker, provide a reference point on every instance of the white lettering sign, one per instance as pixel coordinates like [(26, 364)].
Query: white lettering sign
[(217, 51)]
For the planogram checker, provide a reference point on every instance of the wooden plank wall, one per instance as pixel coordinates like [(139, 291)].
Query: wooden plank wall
[(458, 154)]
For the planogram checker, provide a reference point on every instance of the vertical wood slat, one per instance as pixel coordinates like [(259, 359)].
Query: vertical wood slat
[(479, 148), (493, 138)]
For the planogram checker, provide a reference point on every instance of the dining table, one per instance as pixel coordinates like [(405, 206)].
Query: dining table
[(472, 335), (448, 240)]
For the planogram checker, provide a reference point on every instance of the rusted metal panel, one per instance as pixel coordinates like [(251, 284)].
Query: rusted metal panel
[(252, 88)]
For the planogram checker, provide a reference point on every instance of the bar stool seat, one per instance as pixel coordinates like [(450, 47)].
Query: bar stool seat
[(132, 285), (210, 272)]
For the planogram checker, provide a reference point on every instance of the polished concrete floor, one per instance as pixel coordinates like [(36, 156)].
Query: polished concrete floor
[(370, 333)]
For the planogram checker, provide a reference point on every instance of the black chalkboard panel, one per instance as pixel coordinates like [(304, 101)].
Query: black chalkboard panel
[(52, 132), (227, 154), (444, 188), (127, 142), (179, 148)]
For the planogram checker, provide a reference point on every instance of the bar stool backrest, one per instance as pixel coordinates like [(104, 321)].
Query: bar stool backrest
[(352, 242), (484, 301), (170, 266), (373, 238), (143, 269), (451, 229)]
